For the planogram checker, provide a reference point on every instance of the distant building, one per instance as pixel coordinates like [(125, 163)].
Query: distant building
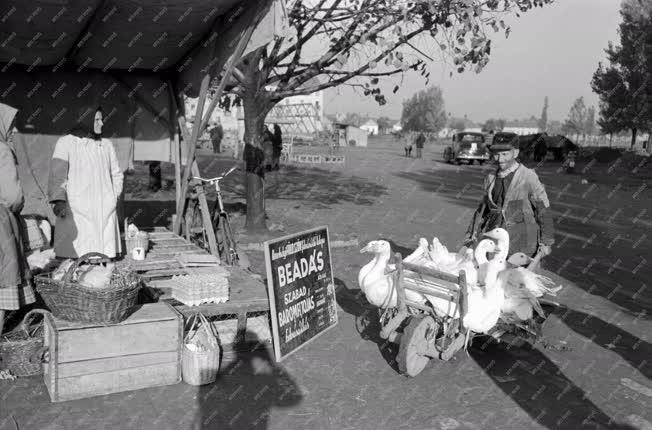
[(522, 127), (521, 130), (397, 127), (371, 127)]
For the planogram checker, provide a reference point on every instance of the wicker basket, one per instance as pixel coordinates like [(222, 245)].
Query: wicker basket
[(21, 352), (200, 367), (72, 301)]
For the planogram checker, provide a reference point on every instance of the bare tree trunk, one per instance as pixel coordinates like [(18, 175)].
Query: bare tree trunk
[(255, 111), (634, 131)]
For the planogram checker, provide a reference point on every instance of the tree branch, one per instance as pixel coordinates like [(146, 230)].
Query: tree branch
[(308, 90)]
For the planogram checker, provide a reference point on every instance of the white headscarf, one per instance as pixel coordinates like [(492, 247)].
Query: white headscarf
[(7, 115)]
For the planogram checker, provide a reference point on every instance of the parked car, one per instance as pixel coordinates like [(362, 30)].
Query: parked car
[(467, 146)]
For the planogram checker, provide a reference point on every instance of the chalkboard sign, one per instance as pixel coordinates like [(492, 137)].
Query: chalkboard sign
[(301, 289)]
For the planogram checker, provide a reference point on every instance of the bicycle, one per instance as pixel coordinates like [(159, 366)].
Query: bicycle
[(194, 226)]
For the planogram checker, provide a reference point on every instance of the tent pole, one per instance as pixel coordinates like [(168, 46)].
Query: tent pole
[(203, 203), (237, 54), (228, 71)]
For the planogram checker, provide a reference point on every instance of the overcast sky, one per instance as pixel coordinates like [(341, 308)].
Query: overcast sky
[(552, 51)]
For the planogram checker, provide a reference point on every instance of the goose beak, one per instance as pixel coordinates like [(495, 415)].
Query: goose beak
[(490, 235), (366, 249)]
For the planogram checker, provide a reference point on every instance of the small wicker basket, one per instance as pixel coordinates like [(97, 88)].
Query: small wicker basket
[(72, 301), (21, 352), (200, 367)]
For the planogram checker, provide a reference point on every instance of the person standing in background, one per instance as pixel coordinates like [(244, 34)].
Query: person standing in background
[(277, 146), (84, 186), (217, 134), (421, 140), (15, 277), (407, 137)]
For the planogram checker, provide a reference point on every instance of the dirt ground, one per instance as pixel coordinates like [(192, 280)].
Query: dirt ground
[(592, 370)]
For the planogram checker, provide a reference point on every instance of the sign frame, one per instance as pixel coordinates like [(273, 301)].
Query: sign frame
[(271, 293)]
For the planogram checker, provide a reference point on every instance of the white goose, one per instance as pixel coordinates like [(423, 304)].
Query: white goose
[(522, 286), (377, 285), (444, 307), (485, 302)]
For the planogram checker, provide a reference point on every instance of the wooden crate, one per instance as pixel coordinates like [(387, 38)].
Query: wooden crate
[(89, 360)]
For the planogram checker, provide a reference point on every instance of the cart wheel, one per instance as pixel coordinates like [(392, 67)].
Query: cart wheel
[(415, 337)]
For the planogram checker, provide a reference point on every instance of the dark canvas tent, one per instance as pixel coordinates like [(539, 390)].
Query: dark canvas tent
[(135, 58)]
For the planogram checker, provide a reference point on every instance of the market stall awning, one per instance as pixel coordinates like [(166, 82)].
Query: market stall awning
[(186, 37), (132, 57)]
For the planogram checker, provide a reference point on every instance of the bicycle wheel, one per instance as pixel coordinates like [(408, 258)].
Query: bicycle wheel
[(235, 256), (193, 226)]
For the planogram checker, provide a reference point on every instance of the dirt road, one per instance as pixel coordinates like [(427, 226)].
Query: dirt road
[(592, 371)]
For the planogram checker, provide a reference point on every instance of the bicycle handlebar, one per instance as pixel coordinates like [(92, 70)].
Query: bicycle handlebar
[(217, 178)]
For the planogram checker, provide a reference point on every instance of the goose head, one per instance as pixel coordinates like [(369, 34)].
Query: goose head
[(519, 259), (380, 248), (501, 237), (484, 247)]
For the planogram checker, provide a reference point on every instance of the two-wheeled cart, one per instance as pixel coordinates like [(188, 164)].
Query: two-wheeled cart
[(424, 332)]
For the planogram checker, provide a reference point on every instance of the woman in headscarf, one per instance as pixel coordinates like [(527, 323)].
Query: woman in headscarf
[(15, 288), (84, 187)]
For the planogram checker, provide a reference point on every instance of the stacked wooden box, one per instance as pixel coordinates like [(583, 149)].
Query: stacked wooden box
[(90, 360)]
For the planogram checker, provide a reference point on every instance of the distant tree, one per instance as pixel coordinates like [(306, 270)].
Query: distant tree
[(554, 127), (621, 85), (424, 111), (576, 121), (458, 124), (353, 118), (543, 121), (489, 125), (589, 126), (500, 124), (384, 124)]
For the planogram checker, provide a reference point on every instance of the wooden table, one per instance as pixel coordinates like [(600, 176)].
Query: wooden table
[(248, 293)]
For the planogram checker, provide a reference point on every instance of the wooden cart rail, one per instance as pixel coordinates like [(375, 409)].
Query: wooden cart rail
[(427, 334)]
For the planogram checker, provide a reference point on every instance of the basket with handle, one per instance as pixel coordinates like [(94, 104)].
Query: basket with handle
[(72, 301), (199, 366), (21, 352)]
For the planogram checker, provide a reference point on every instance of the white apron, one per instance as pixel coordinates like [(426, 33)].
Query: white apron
[(93, 185)]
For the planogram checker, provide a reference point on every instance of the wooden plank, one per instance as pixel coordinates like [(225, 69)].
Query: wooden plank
[(150, 312), (111, 364), (192, 147), (411, 304), (216, 309), (118, 340), (205, 213), (431, 272), (432, 292), (80, 387)]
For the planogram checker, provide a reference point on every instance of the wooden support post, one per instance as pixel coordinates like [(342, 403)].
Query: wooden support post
[(177, 166), (191, 147), (398, 284), (205, 214), (201, 121)]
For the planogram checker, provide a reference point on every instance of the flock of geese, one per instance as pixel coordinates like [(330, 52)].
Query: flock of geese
[(499, 288)]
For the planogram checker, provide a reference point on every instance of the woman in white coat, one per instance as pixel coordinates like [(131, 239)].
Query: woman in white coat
[(84, 187)]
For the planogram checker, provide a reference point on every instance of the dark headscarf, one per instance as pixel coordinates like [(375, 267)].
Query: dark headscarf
[(85, 121)]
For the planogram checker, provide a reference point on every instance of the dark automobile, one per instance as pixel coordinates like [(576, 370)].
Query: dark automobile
[(467, 146)]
